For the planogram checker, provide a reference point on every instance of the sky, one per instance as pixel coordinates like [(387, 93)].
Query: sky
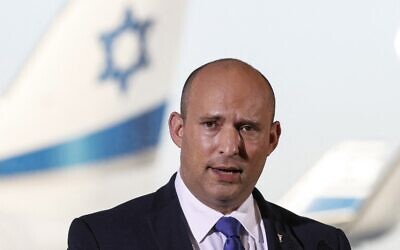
[(22, 24)]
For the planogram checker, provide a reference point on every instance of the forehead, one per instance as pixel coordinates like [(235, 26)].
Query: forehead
[(229, 87)]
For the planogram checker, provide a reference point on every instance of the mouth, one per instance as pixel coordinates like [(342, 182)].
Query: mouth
[(227, 170), (226, 174)]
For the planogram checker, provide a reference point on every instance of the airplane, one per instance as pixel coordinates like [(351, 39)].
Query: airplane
[(83, 117), (354, 186)]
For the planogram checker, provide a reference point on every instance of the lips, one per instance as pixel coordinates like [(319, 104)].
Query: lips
[(227, 170), (227, 174)]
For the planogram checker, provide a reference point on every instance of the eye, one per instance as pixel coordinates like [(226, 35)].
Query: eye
[(210, 124), (247, 128)]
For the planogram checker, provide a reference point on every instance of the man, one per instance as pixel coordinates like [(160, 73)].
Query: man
[(225, 131)]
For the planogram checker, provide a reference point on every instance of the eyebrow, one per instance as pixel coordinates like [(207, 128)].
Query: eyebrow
[(241, 121), (249, 122), (210, 117)]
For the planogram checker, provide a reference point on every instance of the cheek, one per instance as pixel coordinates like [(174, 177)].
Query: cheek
[(206, 142), (257, 152), (202, 140), (197, 147)]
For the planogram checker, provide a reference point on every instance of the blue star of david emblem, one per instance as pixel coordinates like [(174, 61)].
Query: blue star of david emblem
[(133, 27)]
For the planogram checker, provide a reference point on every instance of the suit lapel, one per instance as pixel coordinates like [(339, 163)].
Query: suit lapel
[(279, 234), (167, 221), (170, 229)]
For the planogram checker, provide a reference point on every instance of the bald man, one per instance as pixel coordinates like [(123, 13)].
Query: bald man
[(225, 131)]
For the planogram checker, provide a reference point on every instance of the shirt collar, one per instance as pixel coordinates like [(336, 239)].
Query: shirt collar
[(246, 215), (202, 218)]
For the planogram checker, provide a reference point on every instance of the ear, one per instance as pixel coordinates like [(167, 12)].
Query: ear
[(274, 134), (175, 124)]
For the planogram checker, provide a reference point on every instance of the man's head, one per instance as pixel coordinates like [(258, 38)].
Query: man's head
[(225, 132), (227, 61)]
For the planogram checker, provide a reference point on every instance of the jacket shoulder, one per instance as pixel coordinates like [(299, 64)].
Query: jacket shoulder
[(134, 209), (113, 228), (300, 232), (311, 233), (294, 220)]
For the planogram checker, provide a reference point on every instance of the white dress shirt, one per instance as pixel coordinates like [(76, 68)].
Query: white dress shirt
[(201, 220)]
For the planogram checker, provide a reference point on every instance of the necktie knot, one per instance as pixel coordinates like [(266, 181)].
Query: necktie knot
[(229, 226)]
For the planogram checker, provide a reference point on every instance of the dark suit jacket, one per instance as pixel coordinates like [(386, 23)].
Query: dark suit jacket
[(156, 221)]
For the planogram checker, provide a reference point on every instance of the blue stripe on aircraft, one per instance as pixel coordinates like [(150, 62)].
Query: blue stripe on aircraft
[(325, 204), (128, 137)]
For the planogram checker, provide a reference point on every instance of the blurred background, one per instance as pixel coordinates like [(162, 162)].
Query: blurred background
[(86, 88)]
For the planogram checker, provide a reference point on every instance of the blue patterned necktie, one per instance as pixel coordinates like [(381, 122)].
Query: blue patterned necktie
[(230, 227)]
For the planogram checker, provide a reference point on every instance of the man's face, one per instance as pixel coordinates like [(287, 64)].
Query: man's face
[(226, 135)]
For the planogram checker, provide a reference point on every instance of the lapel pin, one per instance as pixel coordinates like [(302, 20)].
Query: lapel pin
[(280, 237)]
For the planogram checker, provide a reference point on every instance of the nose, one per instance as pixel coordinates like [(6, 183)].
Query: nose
[(230, 141)]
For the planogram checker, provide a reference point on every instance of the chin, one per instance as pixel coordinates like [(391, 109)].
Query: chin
[(225, 196)]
